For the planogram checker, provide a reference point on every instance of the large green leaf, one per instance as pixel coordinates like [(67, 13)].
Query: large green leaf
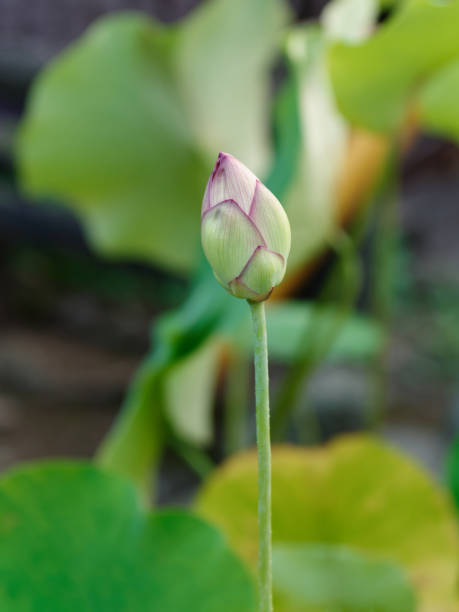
[(375, 81), (119, 124), (106, 131), (331, 578), (74, 538), (438, 102), (355, 492)]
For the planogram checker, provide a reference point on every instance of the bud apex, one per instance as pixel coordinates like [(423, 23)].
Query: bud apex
[(245, 231)]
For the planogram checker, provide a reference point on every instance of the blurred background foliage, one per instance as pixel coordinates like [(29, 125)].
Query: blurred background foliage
[(108, 130)]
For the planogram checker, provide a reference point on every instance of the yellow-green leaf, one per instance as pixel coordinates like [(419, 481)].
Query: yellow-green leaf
[(356, 492), (376, 81)]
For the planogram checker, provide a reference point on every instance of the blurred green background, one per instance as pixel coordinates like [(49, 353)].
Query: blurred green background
[(75, 325), (117, 343)]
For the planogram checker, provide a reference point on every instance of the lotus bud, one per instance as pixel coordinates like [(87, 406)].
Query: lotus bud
[(245, 231)]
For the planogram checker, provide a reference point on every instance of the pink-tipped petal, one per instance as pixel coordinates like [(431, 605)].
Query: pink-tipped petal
[(230, 180)]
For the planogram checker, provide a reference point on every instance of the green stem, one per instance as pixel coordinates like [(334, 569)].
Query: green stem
[(264, 456)]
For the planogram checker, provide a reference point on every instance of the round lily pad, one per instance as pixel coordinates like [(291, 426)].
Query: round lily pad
[(73, 538), (356, 492)]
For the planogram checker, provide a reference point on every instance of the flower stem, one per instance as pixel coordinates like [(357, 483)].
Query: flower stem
[(264, 457)]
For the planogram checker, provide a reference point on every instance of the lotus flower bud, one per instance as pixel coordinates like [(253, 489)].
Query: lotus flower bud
[(245, 231)]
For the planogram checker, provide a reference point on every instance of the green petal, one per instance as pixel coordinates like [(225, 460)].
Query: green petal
[(240, 290), (264, 271), (271, 219), (228, 238)]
